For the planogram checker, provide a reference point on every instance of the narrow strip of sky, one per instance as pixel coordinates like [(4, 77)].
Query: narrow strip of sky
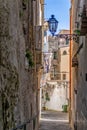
[(60, 8)]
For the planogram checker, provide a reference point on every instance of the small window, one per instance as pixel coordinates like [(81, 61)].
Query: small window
[(64, 76), (55, 55), (67, 42), (64, 53)]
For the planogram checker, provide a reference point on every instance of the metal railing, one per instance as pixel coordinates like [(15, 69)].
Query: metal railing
[(23, 126)]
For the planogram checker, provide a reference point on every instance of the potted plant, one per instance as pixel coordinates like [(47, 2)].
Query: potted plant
[(65, 108), (46, 98)]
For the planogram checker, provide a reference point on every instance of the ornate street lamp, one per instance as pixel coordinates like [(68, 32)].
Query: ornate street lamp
[(52, 23)]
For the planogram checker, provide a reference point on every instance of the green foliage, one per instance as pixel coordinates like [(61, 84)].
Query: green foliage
[(77, 32), (47, 96), (24, 4), (25, 1), (29, 57)]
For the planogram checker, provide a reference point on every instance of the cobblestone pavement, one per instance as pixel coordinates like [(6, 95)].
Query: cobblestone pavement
[(51, 120)]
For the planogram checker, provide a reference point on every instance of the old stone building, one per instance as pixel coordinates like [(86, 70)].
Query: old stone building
[(55, 90), (60, 62), (78, 77), (21, 38), (55, 60)]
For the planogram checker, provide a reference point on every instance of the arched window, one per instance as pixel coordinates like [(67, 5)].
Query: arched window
[(64, 53)]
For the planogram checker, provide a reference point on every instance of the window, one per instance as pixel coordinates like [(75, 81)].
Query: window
[(64, 53), (67, 42), (64, 76), (55, 55)]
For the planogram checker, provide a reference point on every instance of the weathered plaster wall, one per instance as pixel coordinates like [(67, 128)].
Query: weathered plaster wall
[(79, 79), (82, 88), (58, 97), (64, 62)]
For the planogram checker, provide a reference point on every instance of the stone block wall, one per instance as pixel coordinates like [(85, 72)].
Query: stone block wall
[(18, 95)]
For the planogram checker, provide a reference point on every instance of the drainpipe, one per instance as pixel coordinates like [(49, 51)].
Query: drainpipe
[(70, 62)]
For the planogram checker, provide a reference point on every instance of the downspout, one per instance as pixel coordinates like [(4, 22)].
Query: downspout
[(70, 66)]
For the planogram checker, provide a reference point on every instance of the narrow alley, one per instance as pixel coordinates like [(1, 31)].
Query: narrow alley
[(43, 66), (51, 120)]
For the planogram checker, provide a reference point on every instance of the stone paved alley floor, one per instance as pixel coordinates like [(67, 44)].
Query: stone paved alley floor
[(51, 120)]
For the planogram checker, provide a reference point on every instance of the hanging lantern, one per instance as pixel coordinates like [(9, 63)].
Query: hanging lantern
[(52, 23)]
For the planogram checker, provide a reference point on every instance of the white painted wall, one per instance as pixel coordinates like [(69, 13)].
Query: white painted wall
[(58, 97)]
